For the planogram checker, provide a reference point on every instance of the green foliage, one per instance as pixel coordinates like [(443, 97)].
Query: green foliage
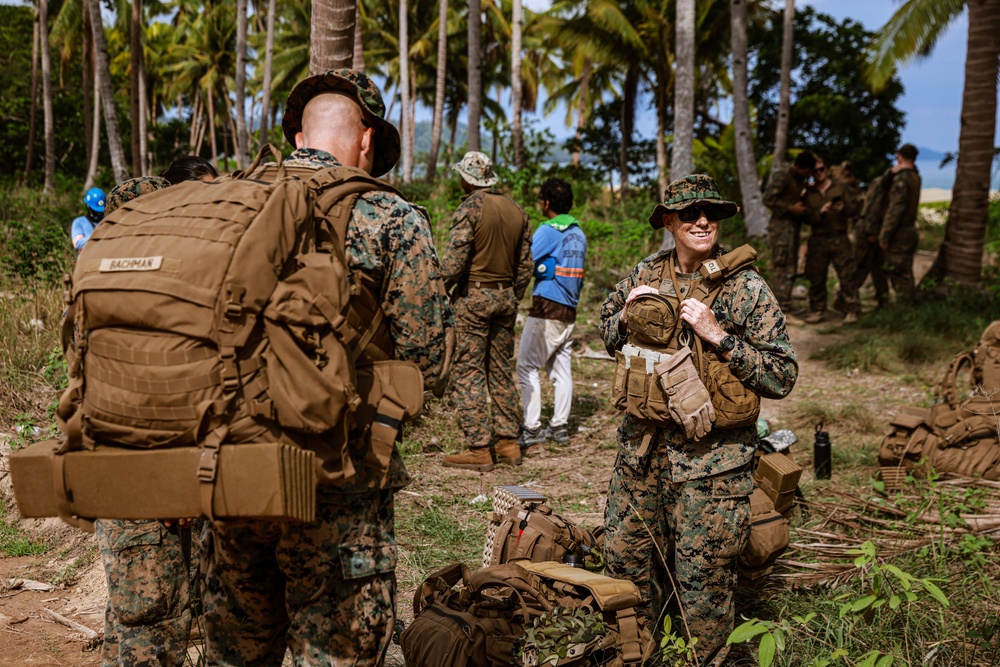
[(442, 532), (676, 651), (15, 542)]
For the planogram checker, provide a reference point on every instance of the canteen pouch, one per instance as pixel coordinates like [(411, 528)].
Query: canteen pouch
[(769, 536), (735, 405), (392, 393)]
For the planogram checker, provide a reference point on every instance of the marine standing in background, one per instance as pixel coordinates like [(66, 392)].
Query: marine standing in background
[(150, 565), (685, 497), (559, 250), (326, 590), (784, 196), (897, 237), (867, 254), (83, 226), (831, 205), (488, 263)]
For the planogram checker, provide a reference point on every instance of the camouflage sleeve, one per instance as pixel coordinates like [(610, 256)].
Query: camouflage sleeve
[(763, 358), (814, 203), (526, 265), (612, 307), (396, 249), (895, 210), (772, 196), (458, 256)]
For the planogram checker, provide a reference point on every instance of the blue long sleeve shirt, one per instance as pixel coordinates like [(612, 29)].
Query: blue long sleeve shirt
[(81, 231), (562, 240)]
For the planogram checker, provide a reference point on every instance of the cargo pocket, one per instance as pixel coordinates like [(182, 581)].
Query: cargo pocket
[(359, 561), (146, 573)]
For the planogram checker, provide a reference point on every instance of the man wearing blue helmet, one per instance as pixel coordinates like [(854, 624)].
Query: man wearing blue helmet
[(83, 226)]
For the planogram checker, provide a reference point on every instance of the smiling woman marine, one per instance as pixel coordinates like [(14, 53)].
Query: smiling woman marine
[(683, 476)]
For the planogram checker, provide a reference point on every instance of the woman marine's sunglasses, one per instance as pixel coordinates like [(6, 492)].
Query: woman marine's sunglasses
[(712, 212)]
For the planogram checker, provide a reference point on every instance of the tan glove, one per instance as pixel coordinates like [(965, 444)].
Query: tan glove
[(688, 399)]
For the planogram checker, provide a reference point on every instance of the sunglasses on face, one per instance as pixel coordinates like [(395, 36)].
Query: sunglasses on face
[(712, 212)]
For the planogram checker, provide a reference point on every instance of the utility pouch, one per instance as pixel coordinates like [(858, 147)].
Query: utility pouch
[(735, 405), (769, 536), (392, 393), (636, 388)]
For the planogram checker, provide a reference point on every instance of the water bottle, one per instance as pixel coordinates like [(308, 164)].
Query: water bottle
[(822, 465), (572, 559)]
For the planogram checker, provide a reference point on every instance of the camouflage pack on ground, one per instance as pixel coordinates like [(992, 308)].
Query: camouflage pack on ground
[(216, 312), (523, 614)]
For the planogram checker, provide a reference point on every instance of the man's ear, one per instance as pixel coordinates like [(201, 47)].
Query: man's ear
[(368, 140), (300, 140)]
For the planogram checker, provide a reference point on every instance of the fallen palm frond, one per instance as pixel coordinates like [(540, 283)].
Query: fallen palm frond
[(923, 514)]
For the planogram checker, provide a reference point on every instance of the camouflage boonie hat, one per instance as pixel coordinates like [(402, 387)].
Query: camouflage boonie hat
[(128, 190), (693, 189), (363, 89), (477, 169)]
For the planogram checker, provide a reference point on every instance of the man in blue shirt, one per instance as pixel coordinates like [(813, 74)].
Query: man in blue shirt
[(559, 247), (83, 226)]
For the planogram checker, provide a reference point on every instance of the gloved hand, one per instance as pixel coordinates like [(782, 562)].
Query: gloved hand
[(688, 399)]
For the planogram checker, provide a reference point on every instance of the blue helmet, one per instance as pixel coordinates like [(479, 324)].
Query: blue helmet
[(95, 199)]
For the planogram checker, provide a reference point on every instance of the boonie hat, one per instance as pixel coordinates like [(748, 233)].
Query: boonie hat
[(693, 189), (128, 190), (357, 85), (477, 169)]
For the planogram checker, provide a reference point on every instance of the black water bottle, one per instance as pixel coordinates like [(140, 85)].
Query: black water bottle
[(572, 559), (822, 465)]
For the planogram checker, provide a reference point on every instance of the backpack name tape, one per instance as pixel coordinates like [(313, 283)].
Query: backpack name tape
[(109, 264)]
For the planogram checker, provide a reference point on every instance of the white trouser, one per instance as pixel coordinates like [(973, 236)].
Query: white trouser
[(545, 344)]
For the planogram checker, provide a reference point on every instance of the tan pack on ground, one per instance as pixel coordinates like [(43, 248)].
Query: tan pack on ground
[(769, 536), (655, 332), (983, 363), (223, 312), (536, 533)]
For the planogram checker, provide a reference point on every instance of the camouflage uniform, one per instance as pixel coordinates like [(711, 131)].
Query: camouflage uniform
[(689, 500), (867, 254), (326, 589), (151, 570), (785, 188), (898, 234), (828, 241), (484, 324)]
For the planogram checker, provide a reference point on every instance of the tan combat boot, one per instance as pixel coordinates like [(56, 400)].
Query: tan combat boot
[(478, 458), (508, 451), (816, 317), (850, 318)]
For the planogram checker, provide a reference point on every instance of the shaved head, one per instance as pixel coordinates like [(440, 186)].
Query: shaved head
[(333, 122)]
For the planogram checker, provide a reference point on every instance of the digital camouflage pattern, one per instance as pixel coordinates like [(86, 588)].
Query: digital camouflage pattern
[(898, 236), (784, 189), (477, 169), (152, 580), (327, 589), (359, 86), (128, 190), (867, 253), (708, 479), (828, 242), (693, 189), (484, 328)]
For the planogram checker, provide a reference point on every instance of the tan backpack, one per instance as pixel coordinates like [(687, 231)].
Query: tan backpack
[(218, 312), (536, 533), (983, 362)]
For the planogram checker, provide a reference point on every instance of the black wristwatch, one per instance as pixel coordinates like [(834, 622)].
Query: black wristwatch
[(727, 343)]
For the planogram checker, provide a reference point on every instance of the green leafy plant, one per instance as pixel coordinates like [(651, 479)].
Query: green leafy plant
[(676, 651)]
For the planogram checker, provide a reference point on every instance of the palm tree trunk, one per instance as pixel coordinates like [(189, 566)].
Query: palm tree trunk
[(95, 140), (682, 160), (475, 80), (331, 38), (211, 128), (47, 115), (439, 84), (746, 162), (242, 142), (358, 62), (628, 122), (143, 117), (265, 111), (34, 102), (103, 76), (517, 23), (785, 90), (404, 88), (581, 109), (662, 169), (86, 59), (960, 259), (135, 46)]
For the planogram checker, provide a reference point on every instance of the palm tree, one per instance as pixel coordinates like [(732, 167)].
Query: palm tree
[(135, 49), (784, 94), (439, 87), (913, 30), (682, 159), (265, 107), (49, 120), (358, 61), (103, 76), (332, 35), (242, 142), (404, 87), (34, 100), (475, 74), (753, 204), (517, 21)]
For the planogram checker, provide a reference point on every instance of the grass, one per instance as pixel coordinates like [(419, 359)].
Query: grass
[(14, 542)]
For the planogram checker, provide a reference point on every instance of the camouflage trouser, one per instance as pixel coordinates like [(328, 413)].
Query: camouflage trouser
[(484, 365), (867, 260), (823, 251), (326, 589), (700, 526), (783, 236), (150, 591), (898, 264)]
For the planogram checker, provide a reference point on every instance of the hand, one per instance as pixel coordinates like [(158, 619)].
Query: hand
[(702, 321), (636, 291), (688, 400), (181, 523), (798, 208), (826, 207)]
